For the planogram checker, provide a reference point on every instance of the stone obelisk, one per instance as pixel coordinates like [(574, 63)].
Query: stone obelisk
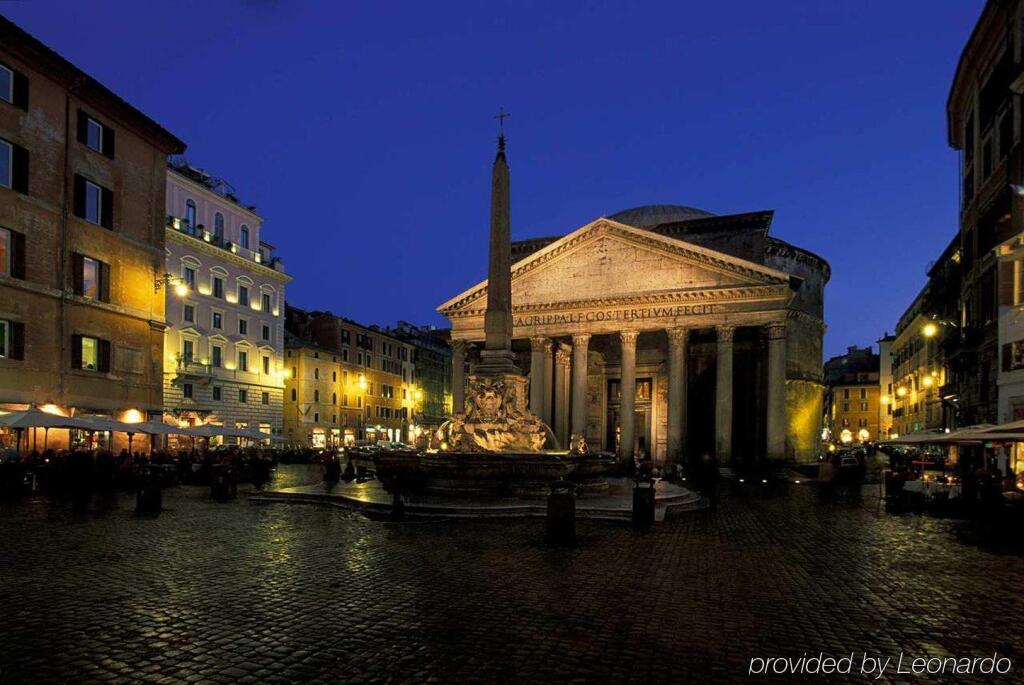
[(497, 357)]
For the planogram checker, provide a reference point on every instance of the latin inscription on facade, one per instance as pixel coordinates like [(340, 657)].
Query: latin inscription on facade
[(622, 315)]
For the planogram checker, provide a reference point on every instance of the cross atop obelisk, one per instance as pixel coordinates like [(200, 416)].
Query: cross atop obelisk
[(497, 357)]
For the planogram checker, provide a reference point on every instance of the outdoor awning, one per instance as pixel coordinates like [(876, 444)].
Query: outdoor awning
[(36, 418), (919, 437)]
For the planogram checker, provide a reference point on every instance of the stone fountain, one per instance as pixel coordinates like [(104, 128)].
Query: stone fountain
[(495, 444)]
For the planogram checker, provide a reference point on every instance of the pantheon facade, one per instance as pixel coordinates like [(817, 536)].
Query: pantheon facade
[(715, 326)]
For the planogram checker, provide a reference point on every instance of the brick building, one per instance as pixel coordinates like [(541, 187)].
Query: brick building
[(852, 394), (81, 240)]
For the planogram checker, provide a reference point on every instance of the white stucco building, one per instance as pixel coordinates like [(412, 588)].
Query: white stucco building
[(223, 348)]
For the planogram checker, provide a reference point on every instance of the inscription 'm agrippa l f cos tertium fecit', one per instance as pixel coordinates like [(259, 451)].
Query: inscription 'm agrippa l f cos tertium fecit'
[(616, 315)]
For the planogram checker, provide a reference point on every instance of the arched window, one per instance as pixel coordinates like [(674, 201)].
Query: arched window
[(218, 227), (245, 236), (190, 217)]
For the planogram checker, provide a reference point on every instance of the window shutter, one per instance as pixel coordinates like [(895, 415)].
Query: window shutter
[(20, 90), (1007, 352), (76, 352), (79, 208), (17, 255), (83, 127), (104, 360), (1006, 283), (19, 176), (108, 141), (17, 340), (104, 282), (77, 267), (107, 206)]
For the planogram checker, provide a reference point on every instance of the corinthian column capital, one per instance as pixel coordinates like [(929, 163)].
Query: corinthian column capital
[(776, 330), (540, 343), (677, 336), (725, 333), (628, 338)]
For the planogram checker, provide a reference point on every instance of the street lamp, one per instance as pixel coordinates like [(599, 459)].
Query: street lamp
[(929, 330), (171, 281)]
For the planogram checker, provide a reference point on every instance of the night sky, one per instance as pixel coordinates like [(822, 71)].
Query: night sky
[(364, 135)]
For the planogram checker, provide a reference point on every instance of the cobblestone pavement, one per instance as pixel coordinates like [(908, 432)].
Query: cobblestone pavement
[(240, 592)]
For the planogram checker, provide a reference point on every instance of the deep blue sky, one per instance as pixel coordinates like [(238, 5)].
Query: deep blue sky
[(363, 132)]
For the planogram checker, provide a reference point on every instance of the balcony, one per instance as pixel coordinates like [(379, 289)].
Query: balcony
[(191, 369), (199, 232)]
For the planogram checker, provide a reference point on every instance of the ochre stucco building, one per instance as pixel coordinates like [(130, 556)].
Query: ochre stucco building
[(716, 324)]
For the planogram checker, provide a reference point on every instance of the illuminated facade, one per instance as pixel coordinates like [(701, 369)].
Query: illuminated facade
[(714, 326), (81, 242), (346, 383), (919, 371), (223, 352), (852, 397)]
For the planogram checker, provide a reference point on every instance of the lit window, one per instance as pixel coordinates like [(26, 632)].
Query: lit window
[(90, 278), (94, 134), (6, 163), (93, 203), (5, 252), (6, 84), (90, 353)]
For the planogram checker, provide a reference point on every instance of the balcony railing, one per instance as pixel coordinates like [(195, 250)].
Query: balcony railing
[(199, 232)]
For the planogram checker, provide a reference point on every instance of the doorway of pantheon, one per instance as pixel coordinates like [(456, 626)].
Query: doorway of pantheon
[(641, 420)]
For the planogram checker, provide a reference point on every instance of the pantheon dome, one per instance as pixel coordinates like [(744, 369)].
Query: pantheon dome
[(648, 216)]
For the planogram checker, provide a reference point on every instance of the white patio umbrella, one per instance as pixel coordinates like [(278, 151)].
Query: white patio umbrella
[(36, 418)]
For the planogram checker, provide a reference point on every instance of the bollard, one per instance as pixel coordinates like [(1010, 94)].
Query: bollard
[(643, 503), (149, 495), (561, 514)]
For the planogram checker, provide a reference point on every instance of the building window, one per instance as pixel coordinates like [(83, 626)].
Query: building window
[(186, 391), (265, 398), (243, 326), (344, 355), (243, 295), (189, 313), (91, 278), (863, 406), (93, 134), (334, 398), (218, 321), (6, 241), (217, 356), (216, 393), (863, 393), (218, 287), (89, 353), (243, 396), (266, 366), (266, 302), (243, 360), (6, 164), (13, 166), (316, 417), (266, 332), (188, 277), (190, 217), (846, 406), (294, 394), (188, 349), (12, 340), (6, 84), (245, 236), (316, 395), (218, 228), (316, 373)]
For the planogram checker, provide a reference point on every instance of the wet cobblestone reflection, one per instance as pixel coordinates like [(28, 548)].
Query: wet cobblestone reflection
[(240, 592)]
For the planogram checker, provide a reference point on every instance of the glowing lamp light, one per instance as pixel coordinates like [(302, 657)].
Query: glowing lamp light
[(885, 399), (927, 381), (863, 435), (846, 437), (181, 290), (929, 330), (51, 408), (132, 416), (831, 448), (901, 392)]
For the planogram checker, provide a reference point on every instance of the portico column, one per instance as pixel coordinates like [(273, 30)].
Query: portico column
[(777, 390), (723, 395), (676, 394), (537, 388), (458, 376), (562, 394), (627, 386), (545, 410), (580, 343)]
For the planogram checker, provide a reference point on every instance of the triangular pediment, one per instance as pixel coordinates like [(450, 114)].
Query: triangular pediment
[(607, 260)]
